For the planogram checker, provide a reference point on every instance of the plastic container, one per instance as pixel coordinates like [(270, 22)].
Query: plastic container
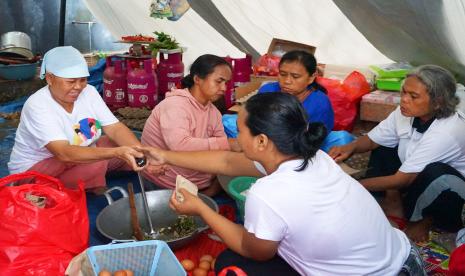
[(143, 258), (18, 71), (390, 84), (236, 187), (392, 70)]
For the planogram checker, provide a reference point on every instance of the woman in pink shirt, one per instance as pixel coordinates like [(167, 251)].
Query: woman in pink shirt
[(186, 120)]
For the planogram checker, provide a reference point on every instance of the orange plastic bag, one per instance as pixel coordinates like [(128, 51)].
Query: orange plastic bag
[(43, 225), (355, 85), (344, 98), (267, 65)]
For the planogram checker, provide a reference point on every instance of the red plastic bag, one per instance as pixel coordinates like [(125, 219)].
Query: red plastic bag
[(43, 225), (344, 98), (355, 85), (457, 261), (267, 65)]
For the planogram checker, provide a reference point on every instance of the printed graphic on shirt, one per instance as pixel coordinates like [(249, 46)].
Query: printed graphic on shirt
[(86, 132)]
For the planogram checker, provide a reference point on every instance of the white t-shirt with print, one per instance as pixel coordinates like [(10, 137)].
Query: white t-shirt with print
[(443, 141), (325, 221), (43, 120)]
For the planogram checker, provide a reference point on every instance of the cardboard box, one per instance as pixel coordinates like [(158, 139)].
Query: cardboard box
[(340, 72), (377, 105), (287, 45), (243, 93)]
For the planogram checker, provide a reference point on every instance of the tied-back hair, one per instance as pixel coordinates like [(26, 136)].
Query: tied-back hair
[(307, 60), (441, 87), (282, 119), (202, 67)]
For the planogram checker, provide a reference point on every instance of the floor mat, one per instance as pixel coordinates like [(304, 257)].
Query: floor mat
[(436, 258)]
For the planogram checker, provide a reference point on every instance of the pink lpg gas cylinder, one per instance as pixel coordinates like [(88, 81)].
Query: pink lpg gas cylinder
[(170, 71), (114, 84), (242, 68), (142, 86)]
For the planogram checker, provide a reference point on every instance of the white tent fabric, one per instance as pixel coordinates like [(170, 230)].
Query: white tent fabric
[(351, 33), (418, 31), (258, 21)]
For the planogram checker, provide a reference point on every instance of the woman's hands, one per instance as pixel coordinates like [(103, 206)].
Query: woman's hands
[(341, 153), (191, 205), (156, 162), (129, 155), (155, 156)]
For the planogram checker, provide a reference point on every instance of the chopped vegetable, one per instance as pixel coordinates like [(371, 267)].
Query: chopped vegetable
[(184, 226)]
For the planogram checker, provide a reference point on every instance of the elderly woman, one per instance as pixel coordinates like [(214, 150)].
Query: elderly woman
[(61, 126), (425, 183)]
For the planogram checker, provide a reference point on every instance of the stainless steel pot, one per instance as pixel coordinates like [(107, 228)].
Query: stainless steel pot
[(16, 43), (114, 221), (15, 39)]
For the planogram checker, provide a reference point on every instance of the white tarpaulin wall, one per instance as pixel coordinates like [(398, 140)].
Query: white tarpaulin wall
[(419, 31)]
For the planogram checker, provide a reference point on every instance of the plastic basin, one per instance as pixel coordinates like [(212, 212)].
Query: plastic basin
[(18, 71), (236, 187)]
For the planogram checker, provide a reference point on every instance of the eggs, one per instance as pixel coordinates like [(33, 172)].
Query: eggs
[(207, 258), (204, 265), (200, 272), (187, 264), (212, 265), (104, 272), (120, 273)]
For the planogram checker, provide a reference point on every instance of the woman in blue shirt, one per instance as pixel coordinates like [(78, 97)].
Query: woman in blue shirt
[(297, 74)]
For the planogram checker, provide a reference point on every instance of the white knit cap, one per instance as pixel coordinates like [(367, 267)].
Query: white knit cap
[(64, 62)]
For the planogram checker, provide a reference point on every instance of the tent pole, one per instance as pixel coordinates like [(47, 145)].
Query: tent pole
[(61, 32)]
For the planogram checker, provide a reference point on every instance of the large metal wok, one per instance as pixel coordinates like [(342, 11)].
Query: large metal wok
[(114, 221)]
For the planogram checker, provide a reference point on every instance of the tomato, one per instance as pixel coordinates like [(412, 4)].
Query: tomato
[(138, 38)]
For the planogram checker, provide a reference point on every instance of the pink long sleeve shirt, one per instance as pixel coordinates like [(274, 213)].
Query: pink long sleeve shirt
[(181, 123)]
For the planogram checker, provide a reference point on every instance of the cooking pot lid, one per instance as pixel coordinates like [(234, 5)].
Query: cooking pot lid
[(17, 50)]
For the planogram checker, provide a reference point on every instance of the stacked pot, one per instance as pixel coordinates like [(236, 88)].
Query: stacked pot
[(17, 61)]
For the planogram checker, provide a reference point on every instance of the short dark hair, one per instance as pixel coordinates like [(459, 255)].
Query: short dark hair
[(441, 87), (307, 60), (202, 67), (281, 117)]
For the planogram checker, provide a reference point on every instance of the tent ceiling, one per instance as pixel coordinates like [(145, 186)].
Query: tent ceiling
[(356, 32)]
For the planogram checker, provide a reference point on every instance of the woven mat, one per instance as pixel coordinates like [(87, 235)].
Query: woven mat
[(435, 257), (132, 117)]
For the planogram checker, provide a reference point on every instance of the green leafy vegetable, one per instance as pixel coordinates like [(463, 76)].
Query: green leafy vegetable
[(164, 41)]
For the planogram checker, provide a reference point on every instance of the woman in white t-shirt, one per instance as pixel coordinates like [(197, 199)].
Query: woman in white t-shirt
[(305, 215), (61, 127), (421, 164)]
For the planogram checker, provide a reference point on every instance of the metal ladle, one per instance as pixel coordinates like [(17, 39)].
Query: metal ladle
[(153, 234)]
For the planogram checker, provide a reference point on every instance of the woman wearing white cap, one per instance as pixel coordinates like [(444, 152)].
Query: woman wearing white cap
[(61, 127)]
